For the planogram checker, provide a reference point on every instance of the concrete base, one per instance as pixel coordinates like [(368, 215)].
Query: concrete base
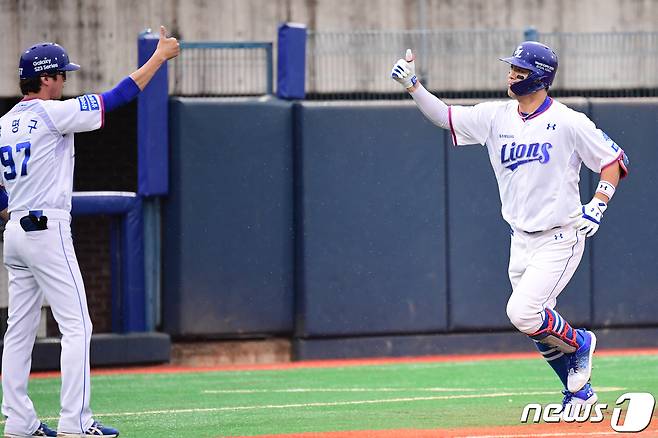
[(214, 353)]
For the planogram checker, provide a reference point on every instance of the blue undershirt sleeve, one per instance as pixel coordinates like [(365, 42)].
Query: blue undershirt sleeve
[(4, 199), (123, 93)]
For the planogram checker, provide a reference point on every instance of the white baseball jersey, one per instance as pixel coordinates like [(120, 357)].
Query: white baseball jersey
[(536, 160), (37, 152)]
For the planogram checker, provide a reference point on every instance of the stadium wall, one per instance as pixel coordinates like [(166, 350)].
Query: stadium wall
[(347, 222), (88, 28)]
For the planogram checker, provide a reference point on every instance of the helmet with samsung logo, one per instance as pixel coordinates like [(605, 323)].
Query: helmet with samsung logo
[(44, 58)]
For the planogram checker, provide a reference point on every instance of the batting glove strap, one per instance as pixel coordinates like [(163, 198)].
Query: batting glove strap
[(606, 188)]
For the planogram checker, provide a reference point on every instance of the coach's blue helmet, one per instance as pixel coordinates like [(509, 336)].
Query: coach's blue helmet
[(45, 58), (540, 59)]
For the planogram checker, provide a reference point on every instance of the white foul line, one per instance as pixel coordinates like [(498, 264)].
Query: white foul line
[(319, 404), (301, 390), (339, 403)]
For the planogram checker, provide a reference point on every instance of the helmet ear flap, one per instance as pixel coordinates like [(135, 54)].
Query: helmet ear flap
[(534, 82)]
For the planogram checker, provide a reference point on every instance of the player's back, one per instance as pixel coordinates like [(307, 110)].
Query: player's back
[(37, 152)]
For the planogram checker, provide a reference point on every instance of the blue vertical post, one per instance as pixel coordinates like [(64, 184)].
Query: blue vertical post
[(531, 34), (152, 125), (153, 171), (291, 66), (133, 298)]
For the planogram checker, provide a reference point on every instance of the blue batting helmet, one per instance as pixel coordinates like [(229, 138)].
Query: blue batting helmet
[(44, 58), (540, 59)]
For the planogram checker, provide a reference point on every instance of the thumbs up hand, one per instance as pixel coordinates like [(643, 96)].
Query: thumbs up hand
[(167, 47), (404, 71)]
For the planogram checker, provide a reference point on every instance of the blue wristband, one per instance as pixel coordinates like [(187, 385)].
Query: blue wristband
[(123, 93), (4, 199)]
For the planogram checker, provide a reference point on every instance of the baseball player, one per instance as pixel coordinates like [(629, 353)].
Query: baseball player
[(536, 146), (37, 158)]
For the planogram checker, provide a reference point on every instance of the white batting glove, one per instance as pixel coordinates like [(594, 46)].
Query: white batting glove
[(590, 217), (404, 71)]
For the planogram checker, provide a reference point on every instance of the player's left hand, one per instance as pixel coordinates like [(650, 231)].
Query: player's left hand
[(590, 217)]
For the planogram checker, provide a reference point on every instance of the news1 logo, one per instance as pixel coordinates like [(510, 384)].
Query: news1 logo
[(637, 414)]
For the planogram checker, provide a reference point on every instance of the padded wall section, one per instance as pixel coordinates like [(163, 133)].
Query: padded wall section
[(479, 245), (625, 257), (371, 220), (228, 222)]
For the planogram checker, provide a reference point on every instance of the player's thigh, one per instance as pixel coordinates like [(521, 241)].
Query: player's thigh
[(57, 272), (554, 262), (25, 299), (518, 259)]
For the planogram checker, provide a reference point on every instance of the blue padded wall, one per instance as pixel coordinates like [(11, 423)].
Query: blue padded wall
[(624, 249), (228, 254), (479, 244), (370, 220)]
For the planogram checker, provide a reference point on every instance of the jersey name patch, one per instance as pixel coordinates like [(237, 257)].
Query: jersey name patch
[(88, 102), (514, 155)]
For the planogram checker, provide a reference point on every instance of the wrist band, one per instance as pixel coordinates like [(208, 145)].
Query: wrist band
[(606, 188)]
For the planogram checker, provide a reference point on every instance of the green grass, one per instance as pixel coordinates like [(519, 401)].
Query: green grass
[(193, 404)]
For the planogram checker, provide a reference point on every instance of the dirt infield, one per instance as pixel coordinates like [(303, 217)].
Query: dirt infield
[(566, 430)]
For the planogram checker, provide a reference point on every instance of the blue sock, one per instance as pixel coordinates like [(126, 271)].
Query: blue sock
[(558, 360), (557, 327)]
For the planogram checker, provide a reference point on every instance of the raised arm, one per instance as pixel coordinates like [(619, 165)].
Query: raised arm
[(130, 87), (167, 49), (404, 72)]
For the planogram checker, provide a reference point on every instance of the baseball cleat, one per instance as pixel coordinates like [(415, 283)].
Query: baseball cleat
[(43, 430), (95, 430), (580, 368), (571, 401)]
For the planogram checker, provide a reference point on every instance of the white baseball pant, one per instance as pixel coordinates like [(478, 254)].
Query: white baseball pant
[(541, 264), (44, 263)]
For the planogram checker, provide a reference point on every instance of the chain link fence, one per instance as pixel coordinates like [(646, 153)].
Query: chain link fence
[(454, 64), (222, 69), (465, 63), (359, 63)]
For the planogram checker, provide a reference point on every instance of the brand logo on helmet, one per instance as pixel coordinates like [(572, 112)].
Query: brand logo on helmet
[(42, 62), (518, 51), (545, 67)]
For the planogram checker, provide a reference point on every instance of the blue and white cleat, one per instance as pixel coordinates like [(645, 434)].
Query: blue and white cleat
[(43, 430), (573, 401), (95, 430), (580, 368)]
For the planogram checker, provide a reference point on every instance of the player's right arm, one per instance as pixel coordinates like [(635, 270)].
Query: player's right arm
[(404, 72), (167, 49), (86, 113), (467, 124)]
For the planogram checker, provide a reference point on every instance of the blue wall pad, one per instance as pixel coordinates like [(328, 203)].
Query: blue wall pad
[(107, 349), (228, 222), (370, 220), (452, 343), (624, 249), (152, 128)]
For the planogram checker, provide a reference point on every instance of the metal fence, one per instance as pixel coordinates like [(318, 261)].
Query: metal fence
[(222, 69), (360, 62), (465, 63)]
